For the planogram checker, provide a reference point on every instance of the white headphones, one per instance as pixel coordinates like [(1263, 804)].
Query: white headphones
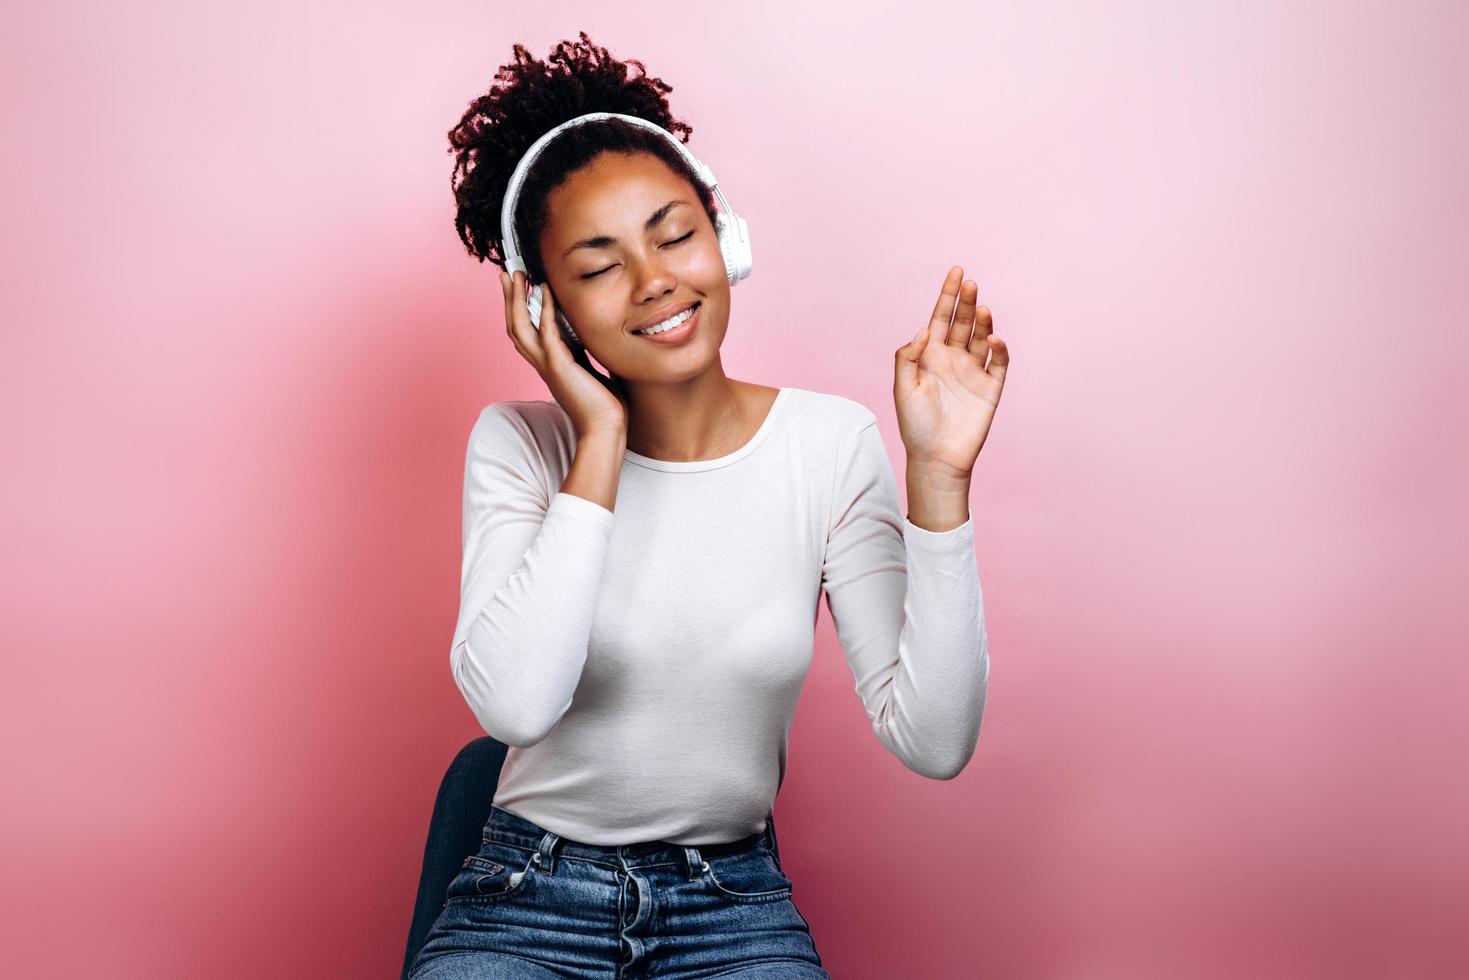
[(729, 228)]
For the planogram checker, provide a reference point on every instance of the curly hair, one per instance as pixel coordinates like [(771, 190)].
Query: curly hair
[(530, 97)]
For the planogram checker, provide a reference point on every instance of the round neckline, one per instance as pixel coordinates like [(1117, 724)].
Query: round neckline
[(699, 465)]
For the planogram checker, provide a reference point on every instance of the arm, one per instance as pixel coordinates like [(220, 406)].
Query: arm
[(530, 575), (909, 613)]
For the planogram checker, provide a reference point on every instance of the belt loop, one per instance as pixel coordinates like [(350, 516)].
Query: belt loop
[(544, 858), (696, 862)]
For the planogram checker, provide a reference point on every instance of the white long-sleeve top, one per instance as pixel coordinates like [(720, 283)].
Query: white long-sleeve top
[(644, 664)]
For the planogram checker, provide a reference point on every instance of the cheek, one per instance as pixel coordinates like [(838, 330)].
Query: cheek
[(586, 306), (706, 267), (601, 317)]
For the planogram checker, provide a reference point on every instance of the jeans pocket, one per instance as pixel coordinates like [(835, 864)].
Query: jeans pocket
[(749, 877), (489, 876)]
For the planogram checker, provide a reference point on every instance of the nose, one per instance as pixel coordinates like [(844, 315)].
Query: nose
[(654, 281)]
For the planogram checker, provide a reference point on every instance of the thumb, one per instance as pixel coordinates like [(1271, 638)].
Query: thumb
[(551, 327), (906, 358), (548, 324)]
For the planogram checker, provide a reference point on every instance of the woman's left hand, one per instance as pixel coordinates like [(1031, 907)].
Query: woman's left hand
[(945, 395)]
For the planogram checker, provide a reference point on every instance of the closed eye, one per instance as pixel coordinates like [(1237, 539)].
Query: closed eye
[(681, 238)]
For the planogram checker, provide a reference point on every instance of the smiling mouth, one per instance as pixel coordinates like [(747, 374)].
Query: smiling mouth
[(679, 324)]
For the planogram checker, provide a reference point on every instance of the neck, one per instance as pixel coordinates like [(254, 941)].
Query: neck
[(698, 418)]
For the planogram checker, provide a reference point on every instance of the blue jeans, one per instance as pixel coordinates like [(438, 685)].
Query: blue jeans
[(532, 904)]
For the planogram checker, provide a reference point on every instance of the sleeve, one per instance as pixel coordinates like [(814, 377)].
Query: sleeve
[(529, 580), (909, 614)]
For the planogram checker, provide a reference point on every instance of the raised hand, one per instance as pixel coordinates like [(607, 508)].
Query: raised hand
[(944, 392), (593, 401)]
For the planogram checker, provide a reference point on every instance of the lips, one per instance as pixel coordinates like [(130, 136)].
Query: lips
[(664, 314), (678, 334)]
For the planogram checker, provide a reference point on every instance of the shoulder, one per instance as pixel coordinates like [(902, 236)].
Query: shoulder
[(840, 439), (533, 427), (835, 416)]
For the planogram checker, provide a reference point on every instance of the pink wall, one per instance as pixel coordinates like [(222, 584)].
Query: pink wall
[(1220, 514)]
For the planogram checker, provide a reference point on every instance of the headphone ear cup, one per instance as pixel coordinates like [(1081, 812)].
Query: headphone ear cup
[(746, 256), (566, 326), (734, 245), (533, 304)]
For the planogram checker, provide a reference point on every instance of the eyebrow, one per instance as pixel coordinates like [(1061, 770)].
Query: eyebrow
[(602, 241)]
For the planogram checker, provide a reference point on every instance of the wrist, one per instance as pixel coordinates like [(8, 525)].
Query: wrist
[(937, 517), (937, 478), (938, 499), (604, 435)]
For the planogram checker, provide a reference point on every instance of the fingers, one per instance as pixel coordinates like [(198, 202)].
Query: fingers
[(999, 361), (984, 323), (549, 333), (505, 289), (550, 326), (943, 310), (507, 286), (517, 321), (960, 332)]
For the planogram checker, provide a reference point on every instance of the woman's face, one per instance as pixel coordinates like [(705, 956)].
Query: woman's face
[(611, 271)]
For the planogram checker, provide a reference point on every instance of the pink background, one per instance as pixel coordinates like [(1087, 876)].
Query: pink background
[(1221, 516)]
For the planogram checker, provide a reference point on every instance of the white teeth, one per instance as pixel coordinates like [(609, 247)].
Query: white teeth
[(670, 323)]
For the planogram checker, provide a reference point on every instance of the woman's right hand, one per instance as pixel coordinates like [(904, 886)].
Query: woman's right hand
[(594, 402)]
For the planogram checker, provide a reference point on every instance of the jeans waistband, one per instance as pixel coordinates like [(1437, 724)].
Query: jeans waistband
[(505, 827)]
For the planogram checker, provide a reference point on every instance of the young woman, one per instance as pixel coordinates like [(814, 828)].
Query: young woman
[(644, 556)]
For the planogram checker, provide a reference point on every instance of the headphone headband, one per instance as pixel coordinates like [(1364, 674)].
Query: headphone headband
[(510, 242)]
